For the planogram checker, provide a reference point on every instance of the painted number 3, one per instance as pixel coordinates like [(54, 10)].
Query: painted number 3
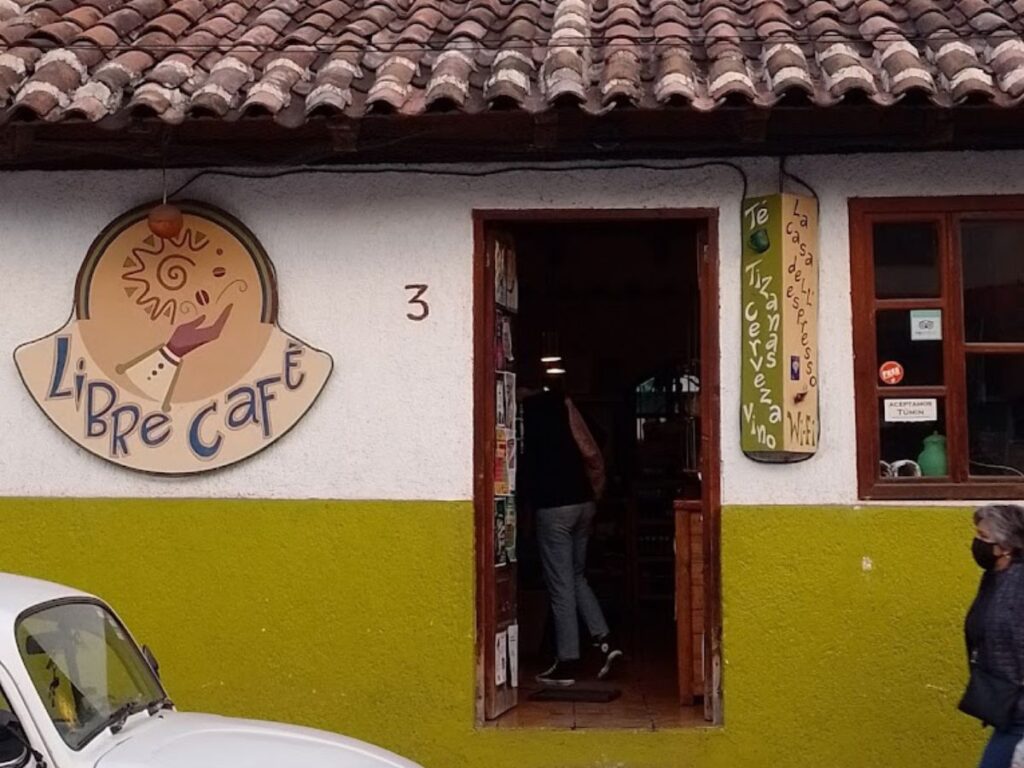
[(417, 300)]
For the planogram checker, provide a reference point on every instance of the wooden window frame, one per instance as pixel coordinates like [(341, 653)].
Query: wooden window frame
[(948, 213)]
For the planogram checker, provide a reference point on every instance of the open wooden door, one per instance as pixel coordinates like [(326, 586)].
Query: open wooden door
[(498, 429), (698, 618), (709, 584), (689, 504)]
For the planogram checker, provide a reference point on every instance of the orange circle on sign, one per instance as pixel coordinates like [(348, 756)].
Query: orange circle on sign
[(891, 372)]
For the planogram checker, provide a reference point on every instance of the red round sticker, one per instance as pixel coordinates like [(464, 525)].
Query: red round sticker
[(891, 373)]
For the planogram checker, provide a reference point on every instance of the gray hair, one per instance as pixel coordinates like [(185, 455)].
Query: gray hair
[(1005, 523)]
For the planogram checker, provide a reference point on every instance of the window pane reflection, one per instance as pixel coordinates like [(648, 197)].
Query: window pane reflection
[(992, 254), (995, 414), (906, 260), (921, 360)]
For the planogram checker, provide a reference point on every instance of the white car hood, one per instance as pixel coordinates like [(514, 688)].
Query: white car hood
[(188, 740)]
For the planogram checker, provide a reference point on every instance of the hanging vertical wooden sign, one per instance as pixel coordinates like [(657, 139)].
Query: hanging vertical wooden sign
[(779, 352)]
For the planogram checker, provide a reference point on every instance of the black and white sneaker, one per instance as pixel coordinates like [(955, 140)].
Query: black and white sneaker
[(610, 652), (561, 674)]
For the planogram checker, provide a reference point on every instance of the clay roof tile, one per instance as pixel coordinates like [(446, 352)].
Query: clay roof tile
[(290, 58), (172, 24)]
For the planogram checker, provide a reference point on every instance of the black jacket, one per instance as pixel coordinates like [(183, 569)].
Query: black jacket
[(994, 628), (553, 471)]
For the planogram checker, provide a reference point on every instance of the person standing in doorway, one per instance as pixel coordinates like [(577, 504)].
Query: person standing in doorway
[(563, 477), (995, 632)]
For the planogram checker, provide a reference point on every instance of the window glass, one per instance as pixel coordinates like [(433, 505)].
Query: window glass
[(11, 748), (993, 280), (964, 348), (995, 414), (919, 355), (906, 260), (905, 424), (85, 668)]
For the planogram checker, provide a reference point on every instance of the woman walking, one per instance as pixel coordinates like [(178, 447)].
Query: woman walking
[(564, 476), (995, 632)]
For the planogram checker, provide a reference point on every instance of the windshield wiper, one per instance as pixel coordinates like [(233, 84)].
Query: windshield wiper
[(119, 716), (156, 705)]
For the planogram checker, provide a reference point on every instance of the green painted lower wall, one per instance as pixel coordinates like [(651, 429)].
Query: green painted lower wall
[(358, 617)]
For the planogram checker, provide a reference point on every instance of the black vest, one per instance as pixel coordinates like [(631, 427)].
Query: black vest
[(553, 473)]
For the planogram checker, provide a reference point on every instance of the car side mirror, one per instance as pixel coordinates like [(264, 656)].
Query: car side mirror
[(151, 660), (14, 753)]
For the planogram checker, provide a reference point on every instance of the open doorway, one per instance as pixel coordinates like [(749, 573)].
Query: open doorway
[(617, 312)]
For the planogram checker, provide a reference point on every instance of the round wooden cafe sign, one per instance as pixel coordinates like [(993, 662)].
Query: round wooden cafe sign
[(173, 361), (891, 372)]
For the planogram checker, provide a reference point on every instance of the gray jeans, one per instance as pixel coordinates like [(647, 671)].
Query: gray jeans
[(562, 533)]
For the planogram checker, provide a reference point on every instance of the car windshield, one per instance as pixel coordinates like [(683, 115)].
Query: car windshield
[(86, 668)]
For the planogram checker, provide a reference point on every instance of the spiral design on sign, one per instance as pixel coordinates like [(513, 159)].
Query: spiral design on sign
[(172, 273)]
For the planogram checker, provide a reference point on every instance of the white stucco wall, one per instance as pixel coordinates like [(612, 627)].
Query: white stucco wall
[(395, 421)]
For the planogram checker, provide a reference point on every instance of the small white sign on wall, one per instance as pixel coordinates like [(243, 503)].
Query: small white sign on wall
[(921, 409), (926, 325)]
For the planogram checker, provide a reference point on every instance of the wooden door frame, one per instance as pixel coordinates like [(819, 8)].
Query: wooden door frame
[(710, 403)]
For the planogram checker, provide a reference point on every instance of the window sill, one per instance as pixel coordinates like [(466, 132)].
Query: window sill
[(918, 490)]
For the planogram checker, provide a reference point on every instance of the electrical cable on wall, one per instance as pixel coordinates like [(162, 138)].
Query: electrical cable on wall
[(793, 177), (459, 173)]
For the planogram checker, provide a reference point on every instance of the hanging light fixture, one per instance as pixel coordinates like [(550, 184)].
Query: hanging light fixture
[(165, 220), (549, 352)]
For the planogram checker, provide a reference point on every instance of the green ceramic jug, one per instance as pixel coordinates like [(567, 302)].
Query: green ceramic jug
[(932, 459)]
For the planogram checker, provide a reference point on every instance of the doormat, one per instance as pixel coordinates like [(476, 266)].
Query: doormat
[(575, 693)]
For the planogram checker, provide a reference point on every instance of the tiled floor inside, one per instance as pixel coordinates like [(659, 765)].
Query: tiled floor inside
[(637, 708), (649, 700)]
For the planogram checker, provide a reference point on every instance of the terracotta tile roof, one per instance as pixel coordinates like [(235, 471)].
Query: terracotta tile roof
[(64, 59)]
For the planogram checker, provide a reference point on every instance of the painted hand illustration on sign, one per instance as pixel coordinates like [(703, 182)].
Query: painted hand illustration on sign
[(156, 371), (190, 335), (173, 361)]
